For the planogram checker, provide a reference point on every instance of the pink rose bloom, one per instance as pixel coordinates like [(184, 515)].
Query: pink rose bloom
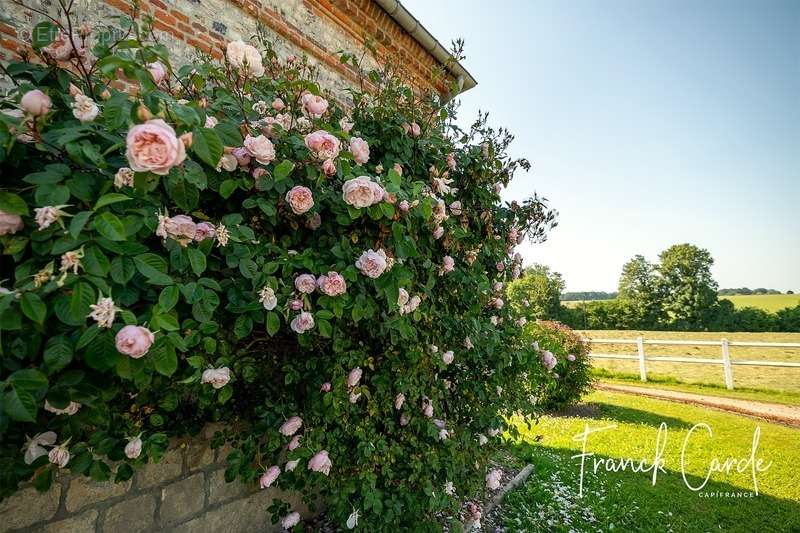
[(549, 360), (36, 103), (320, 463), (259, 172), (493, 479), (291, 426), (326, 387), (205, 230), (451, 161), (246, 58), (217, 377), (406, 128), (448, 264), (158, 71), (180, 228), (278, 104), (211, 122), (345, 124), (362, 192), (354, 377), (404, 206), (59, 456), (332, 284), (404, 419), (399, 400), (261, 148), (290, 520), (294, 443), (134, 448), (570, 358), (269, 477), (360, 150), (329, 167), (322, 145), (61, 47), (302, 322), (10, 224), (498, 303), (315, 106), (438, 232), (314, 222), (447, 357), (305, 283), (371, 263), (415, 130), (455, 208), (300, 199), (427, 407), (291, 465), (500, 266), (242, 156), (134, 341), (154, 147), (296, 305)]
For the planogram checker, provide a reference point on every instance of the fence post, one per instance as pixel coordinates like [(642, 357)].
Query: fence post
[(642, 367), (726, 365)]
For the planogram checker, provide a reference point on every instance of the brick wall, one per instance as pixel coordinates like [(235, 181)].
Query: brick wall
[(185, 493), (318, 28)]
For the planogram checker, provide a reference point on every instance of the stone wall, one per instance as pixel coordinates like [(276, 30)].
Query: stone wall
[(317, 28), (185, 493)]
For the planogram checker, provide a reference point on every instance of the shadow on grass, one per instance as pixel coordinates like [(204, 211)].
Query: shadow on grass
[(629, 500), (599, 410)]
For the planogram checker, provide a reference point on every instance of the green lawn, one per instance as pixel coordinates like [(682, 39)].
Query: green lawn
[(749, 377), (628, 501), (767, 302)]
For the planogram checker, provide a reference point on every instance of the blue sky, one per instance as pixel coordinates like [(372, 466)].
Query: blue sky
[(648, 124)]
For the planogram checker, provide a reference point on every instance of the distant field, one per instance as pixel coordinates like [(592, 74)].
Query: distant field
[(574, 303), (767, 302), (777, 379)]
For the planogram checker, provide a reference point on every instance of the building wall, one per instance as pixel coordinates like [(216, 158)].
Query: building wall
[(318, 28), (184, 493)]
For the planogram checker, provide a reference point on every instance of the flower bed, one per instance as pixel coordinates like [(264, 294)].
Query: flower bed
[(224, 243)]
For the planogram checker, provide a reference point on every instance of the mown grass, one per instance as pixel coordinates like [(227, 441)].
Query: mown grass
[(750, 377), (628, 501), (767, 302), (707, 389)]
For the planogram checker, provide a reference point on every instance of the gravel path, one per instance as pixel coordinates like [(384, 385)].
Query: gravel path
[(785, 414)]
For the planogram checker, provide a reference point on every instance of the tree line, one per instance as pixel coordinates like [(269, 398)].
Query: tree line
[(677, 292)]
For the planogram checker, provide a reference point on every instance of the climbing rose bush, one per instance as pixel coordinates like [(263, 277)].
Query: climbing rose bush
[(222, 242)]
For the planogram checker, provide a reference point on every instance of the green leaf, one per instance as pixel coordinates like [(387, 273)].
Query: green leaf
[(283, 170), (78, 222), (28, 379), (20, 405), (243, 327), (207, 145), (43, 34), (122, 269), (110, 226), (102, 354), (166, 322), (12, 204), (87, 336), (225, 394), (73, 309), (153, 267), (325, 328), (197, 260), (111, 198), (168, 298), (95, 262), (229, 133), (164, 358), (394, 177), (273, 323), (33, 307), (194, 174), (227, 188), (57, 354)]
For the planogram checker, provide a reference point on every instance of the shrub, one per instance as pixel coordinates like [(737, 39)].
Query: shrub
[(535, 295), (571, 368), (226, 243)]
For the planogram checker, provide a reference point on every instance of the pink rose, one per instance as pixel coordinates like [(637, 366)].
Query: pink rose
[(242, 156), (354, 377), (570, 358), (134, 341), (438, 232), (404, 419), (261, 148), (549, 360), (291, 426), (372, 263), (362, 192), (290, 520), (314, 222), (158, 71), (427, 407), (305, 283), (10, 224), (451, 161), (320, 463), (278, 104), (245, 58), (300, 199), (322, 145), (329, 167), (498, 303), (345, 124), (294, 443), (360, 150), (291, 465), (134, 448), (180, 228), (315, 106), (399, 400), (61, 48), (404, 206), (36, 103), (493, 479), (448, 264), (415, 130), (217, 377), (447, 357), (500, 266), (204, 230), (296, 304), (332, 284), (154, 147), (59, 456), (269, 477), (455, 208), (302, 322), (326, 387)]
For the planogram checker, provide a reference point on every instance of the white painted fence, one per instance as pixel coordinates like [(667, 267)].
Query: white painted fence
[(726, 361)]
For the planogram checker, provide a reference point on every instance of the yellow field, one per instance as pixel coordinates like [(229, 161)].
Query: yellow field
[(767, 302), (767, 378)]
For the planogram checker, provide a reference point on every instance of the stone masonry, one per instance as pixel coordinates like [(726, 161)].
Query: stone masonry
[(185, 493)]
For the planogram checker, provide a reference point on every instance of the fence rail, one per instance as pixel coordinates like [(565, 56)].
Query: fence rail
[(724, 344)]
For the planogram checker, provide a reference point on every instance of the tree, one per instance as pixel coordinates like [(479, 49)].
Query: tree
[(689, 290), (536, 294), (640, 293)]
